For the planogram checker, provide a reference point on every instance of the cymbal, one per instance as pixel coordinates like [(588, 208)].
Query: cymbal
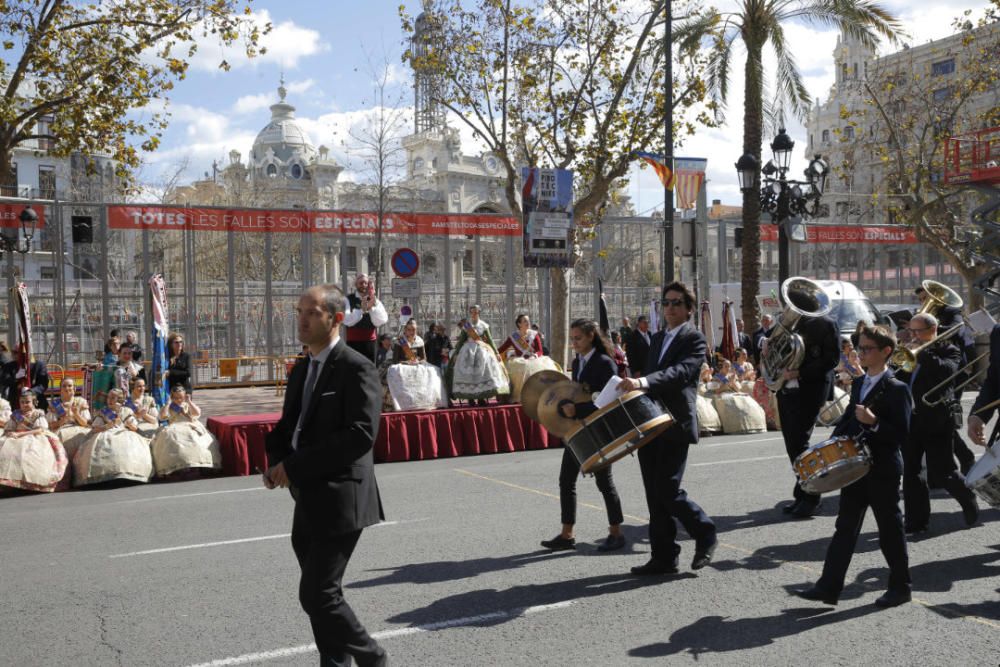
[(548, 407), (535, 386)]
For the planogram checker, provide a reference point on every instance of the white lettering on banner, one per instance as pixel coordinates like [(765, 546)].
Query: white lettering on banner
[(158, 218)]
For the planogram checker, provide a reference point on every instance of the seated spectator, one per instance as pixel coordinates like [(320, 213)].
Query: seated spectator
[(383, 353), (742, 365)]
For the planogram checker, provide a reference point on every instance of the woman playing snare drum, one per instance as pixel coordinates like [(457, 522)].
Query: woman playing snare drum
[(593, 367)]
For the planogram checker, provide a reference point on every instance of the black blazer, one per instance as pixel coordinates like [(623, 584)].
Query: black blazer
[(674, 381), (822, 343), (39, 383), (934, 365), (990, 389), (890, 401), (637, 349), (596, 374), (179, 372), (333, 470)]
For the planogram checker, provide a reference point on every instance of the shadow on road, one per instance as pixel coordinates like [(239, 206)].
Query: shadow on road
[(721, 634), (487, 601)]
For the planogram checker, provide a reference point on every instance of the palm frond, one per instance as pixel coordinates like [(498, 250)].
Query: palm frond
[(860, 19), (718, 69), (788, 78)]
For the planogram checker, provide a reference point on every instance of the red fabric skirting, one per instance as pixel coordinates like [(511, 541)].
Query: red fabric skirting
[(402, 436)]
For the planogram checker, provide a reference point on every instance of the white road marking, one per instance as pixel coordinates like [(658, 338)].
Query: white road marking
[(244, 540), (389, 634), (189, 495), (736, 442), (719, 463)]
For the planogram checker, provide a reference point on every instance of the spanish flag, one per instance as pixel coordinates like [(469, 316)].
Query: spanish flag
[(659, 165)]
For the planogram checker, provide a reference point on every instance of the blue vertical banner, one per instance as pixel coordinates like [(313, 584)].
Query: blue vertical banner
[(547, 207), (158, 373)]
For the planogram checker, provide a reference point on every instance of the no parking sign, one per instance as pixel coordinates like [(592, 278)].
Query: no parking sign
[(405, 263)]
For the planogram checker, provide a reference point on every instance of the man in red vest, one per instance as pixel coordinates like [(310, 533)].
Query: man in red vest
[(365, 314)]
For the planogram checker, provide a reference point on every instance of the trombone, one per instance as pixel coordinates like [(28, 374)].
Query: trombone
[(943, 386), (905, 359)]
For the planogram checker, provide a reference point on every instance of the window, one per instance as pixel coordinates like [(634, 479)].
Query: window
[(296, 171), (351, 264), (9, 189), (942, 67), (843, 71), (272, 171), (467, 264), (942, 94), (826, 136), (46, 182), (849, 132), (44, 126), (855, 70), (48, 273), (841, 208)]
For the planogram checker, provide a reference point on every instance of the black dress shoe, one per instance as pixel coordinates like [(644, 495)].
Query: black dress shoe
[(654, 567), (970, 510), (818, 595), (913, 528), (703, 556), (790, 507), (612, 543), (560, 543), (805, 509), (893, 599)]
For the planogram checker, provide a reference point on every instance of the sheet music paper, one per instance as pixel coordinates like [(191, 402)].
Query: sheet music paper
[(609, 394), (981, 321)]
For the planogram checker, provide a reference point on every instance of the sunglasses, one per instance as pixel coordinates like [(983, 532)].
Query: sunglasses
[(677, 303)]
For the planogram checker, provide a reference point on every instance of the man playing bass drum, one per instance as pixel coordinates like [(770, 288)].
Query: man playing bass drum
[(932, 430), (803, 395), (879, 414)]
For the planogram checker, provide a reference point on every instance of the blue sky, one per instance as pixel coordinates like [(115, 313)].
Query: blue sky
[(325, 50)]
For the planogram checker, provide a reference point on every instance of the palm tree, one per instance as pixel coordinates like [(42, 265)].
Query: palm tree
[(755, 24)]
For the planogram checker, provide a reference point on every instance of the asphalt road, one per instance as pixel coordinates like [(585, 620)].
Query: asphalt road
[(202, 573)]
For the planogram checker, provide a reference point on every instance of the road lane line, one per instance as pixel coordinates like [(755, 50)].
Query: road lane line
[(943, 609), (734, 443), (187, 495), (748, 460), (206, 545), (277, 654)]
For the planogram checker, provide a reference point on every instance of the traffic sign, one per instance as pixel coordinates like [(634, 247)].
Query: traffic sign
[(405, 288), (405, 263)]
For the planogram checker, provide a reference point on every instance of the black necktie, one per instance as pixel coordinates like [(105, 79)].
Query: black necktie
[(307, 391)]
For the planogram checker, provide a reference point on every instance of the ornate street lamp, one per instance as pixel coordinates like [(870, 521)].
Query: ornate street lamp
[(788, 201), (29, 222)]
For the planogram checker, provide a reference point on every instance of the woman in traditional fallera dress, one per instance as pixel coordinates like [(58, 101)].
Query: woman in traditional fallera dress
[(414, 384), (31, 456), (184, 443), (114, 451), (144, 407), (69, 417), (523, 356), (474, 371)]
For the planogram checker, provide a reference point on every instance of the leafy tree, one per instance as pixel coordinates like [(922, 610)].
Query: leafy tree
[(572, 84), (756, 24), (85, 66)]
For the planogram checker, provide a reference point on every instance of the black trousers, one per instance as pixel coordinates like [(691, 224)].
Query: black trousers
[(568, 474), (662, 464), (365, 347), (931, 435), (797, 410), (881, 493), (323, 559)]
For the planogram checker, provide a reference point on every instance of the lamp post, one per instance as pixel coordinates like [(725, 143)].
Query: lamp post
[(788, 201), (11, 245)]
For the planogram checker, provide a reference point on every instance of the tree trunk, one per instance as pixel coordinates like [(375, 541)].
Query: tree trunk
[(559, 326), (753, 120), (8, 188)]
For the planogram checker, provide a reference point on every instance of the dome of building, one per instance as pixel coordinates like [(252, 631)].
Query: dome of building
[(282, 140)]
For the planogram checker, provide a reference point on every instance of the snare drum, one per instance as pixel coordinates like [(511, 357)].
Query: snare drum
[(832, 465), (615, 430), (984, 478)]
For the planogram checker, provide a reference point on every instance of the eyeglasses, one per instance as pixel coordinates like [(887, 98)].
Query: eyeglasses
[(866, 348), (917, 329), (677, 303)]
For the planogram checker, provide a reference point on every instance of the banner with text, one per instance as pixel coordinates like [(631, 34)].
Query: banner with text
[(167, 218), (847, 234), (10, 215)]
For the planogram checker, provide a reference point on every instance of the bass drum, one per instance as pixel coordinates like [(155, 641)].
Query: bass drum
[(182, 446), (984, 477), (114, 454), (617, 429), (520, 369), (32, 462)]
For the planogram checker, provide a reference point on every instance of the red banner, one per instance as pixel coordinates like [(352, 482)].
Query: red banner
[(847, 234), (168, 218), (10, 215)]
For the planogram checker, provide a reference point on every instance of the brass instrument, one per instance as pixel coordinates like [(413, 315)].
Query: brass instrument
[(785, 348), (954, 376), (939, 296), (905, 358)]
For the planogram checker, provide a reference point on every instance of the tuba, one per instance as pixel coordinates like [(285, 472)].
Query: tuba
[(939, 296), (785, 348)]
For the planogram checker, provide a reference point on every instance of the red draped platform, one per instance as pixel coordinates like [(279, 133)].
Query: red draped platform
[(402, 436)]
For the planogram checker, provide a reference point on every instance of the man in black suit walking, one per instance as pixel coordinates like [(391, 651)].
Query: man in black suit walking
[(760, 335), (321, 449), (988, 393), (802, 396), (879, 413), (637, 346), (672, 369)]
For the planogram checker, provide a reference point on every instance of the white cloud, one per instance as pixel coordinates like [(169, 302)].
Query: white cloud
[(252, 104), (286, 44)]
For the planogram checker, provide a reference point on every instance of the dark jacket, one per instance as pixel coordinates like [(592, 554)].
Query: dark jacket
[(990, 389), (637, 350), (674, 380), (596, 374), (759, 336), (39, 383), (179, 371), (890, 401), (822, 345), (934, 365), (436, 345), (333, 469)]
